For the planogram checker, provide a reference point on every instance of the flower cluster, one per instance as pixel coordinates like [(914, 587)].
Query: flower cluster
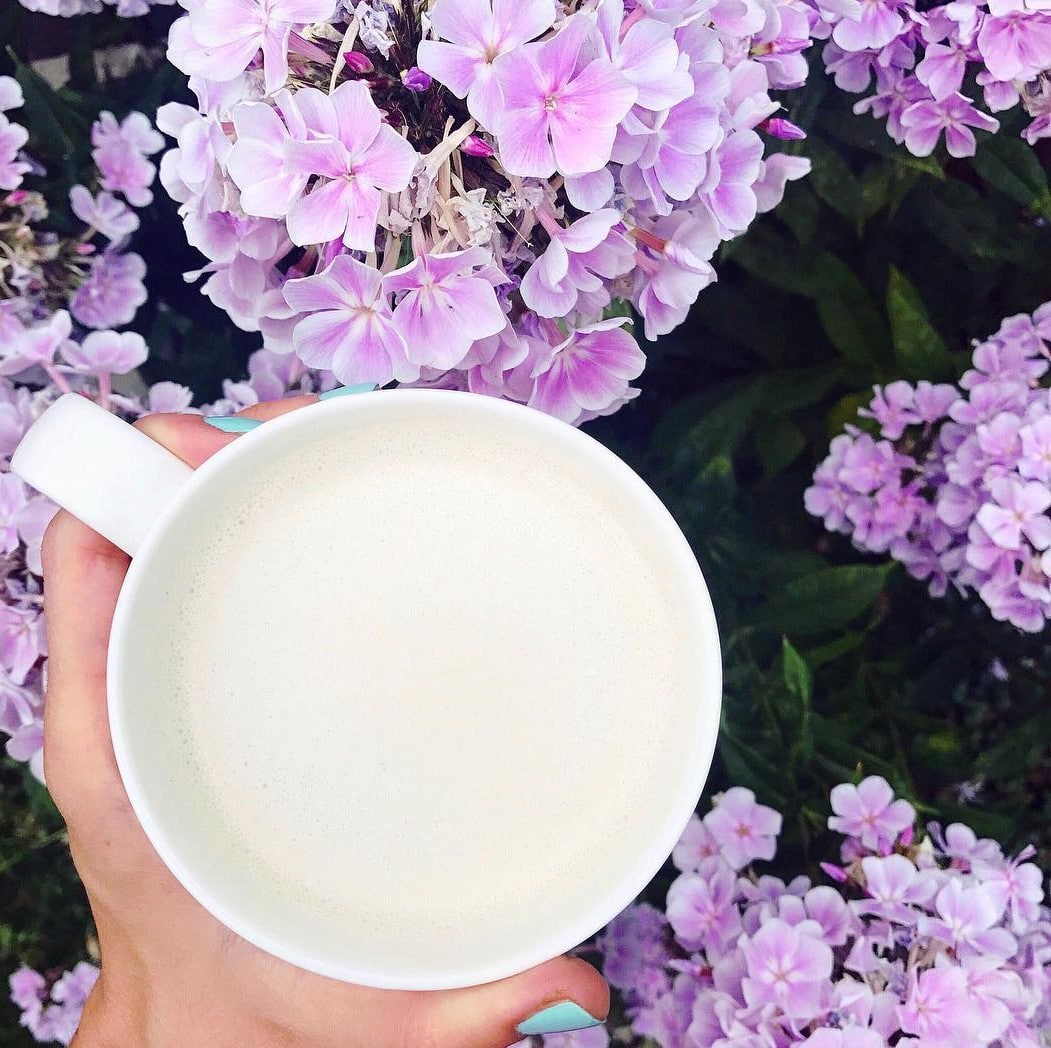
[(941, 942), (70, 8), (957, 485), (51, 1007), (468, 193), (915, 61)]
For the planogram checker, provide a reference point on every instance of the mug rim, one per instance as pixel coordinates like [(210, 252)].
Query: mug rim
[(619, 891)]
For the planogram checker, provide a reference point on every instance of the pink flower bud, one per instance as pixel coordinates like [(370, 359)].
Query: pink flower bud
[(357, 62), (472, 145), (837, 873), (17, 197), (416, 80), (778, 127), (85, 249)]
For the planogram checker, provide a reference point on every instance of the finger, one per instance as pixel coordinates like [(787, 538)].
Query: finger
[(567, 992)]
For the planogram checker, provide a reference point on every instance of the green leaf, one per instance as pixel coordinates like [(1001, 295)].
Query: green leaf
[(855, 325), (778, 441), (796, 672), (826, 600), (1011, 166), (59, 131), (832, 180), (919, 350)]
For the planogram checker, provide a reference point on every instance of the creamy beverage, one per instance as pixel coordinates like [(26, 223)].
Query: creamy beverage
[(409, 689)]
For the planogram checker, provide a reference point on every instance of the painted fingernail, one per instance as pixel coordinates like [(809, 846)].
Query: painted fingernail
[(232, 423), (346, 391), (558, 1018)]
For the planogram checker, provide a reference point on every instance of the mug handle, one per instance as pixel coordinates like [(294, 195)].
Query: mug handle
[(103, 471)]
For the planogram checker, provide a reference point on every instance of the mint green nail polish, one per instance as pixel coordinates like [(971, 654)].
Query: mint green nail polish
[(232, 423), (345, 391), (558, 1018)]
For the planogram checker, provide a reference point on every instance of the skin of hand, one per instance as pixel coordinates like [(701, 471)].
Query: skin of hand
[(172, 975)]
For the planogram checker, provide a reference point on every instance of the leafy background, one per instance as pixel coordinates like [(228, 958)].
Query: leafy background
[(879, 266)]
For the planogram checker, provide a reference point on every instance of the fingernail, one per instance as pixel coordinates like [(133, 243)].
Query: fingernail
[(345, 391), (232, 423), (558, 1018)]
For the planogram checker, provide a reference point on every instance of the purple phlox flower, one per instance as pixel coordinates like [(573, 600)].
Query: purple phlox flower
[(966, 916), (105, 213), (647, 55), (895, 888), (939, 1009), (12, 138), (579, 258), (28, 989), (999, 441), (120, 152), (635, 952), (478, 33), (22, 640), (886, 516), (869, 812), (112, 292), (673, 268), (779, 127), (727, 188), (416, 80), (11, 96), (668, 1018), (878, 23), (1019, 510), (924, 122), (701, 910), (36, 345), (69, 994), (842, 1037), (895, 93), (219, 39), (695, 846), (775, 173), (852, 70), (787, 967), (743, 829), (501, 364), (963, 848), (933, 400), (1035, 461), (12, 501), (588, 372), (749, 102), (829, 909), (1015, 43), (594, 1037), (674, 157), (168, 397), (340, 137), (106, 352), (32, 521), (349, 326), (1021, 886), (560, 109), (943, 68), (893, 407)]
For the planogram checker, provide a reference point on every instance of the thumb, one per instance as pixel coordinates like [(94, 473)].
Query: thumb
[(561, 995)]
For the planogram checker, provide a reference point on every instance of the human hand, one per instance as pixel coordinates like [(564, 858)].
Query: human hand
[(172, 975)]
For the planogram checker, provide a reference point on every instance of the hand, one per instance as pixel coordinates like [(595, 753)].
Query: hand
[(172, 975)]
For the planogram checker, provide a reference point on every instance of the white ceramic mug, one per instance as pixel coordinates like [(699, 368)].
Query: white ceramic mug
[(141, 497)]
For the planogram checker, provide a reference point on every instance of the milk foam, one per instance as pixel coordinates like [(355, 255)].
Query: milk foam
[(425, 685)]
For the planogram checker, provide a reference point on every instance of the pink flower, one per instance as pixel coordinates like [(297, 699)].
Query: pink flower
[(105, 213), (560, 110), (12, 501), (965, 922), (349, 328), (877, 25), (787, 967), (895, 888), (869, 812), (847, 1037), (480, 32), (445, 305), (695, 845), (939, 1010), (701, 909), (112, 292), (11, 96), (120, 152), (36, 345), (218, 39), (22, 640), (1014, 42), (924, 121), (594, 1037), (340, 137), (588, 373), (728, 186), (1020, 510), (12, 138), (106, 352), (743, 829), (578, 259)]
